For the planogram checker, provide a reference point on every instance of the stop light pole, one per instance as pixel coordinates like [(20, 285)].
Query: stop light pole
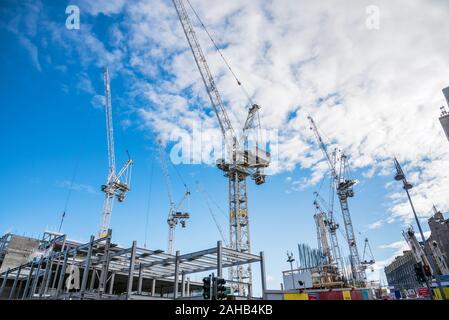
[(214, 288), (207, 287), (400, 176)]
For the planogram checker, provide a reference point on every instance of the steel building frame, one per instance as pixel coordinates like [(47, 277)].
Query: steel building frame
[(44, 277)]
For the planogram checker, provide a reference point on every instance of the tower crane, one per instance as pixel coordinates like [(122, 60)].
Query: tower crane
[(175, 213), (322, 232), (332, 227), (117, 184), (238, 163), (344, 188)]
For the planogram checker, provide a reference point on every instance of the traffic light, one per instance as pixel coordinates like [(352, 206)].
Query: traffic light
[(419, 273), (427, 270), (220, 285), (206, 287)]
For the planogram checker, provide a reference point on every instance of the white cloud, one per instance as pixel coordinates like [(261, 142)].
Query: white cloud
[(376, 225), (76, 187), (374, 93)]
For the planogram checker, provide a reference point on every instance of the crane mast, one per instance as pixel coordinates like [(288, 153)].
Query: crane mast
[(344, 188), (332, 229), (322, 234), (114, 187), (237, 165)]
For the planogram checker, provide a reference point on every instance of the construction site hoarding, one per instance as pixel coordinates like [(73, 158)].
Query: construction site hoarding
[(294, 281)]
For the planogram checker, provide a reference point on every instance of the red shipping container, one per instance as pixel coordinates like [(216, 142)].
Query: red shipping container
[(332, 295), (356, 295)]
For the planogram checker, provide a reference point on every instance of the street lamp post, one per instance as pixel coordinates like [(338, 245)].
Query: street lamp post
[(400, 176)]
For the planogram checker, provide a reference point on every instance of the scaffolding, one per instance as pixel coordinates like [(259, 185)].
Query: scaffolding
[(99, 269)]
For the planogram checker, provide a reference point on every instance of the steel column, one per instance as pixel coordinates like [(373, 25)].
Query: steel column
[(139, 285), (36, 278), (131, 270), (5, 275), (62, 274), (111, 284), (262, 274), (176, 276), (13, 289), (153, 287), (27, 286), (87, 267), (183, 284)]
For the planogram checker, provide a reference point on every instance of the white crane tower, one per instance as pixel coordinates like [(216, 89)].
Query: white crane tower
[(238, 164), (114, 187), (175, 215), (344, 188)]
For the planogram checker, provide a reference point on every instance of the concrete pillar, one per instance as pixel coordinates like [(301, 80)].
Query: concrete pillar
[(175, 284)]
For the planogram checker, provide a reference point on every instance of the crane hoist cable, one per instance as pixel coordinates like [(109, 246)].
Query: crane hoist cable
[(69, 194), (212, 214), (239, 83), (220, 209)]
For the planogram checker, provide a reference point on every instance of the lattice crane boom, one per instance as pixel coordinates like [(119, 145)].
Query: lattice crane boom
[(109, 125), (238, 163), (214, 95)]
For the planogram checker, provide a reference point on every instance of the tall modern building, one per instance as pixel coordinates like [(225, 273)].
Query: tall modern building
[(401, 272), (444, 118)]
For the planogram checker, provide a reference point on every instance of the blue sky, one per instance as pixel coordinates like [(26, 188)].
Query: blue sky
[(53, 124)]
